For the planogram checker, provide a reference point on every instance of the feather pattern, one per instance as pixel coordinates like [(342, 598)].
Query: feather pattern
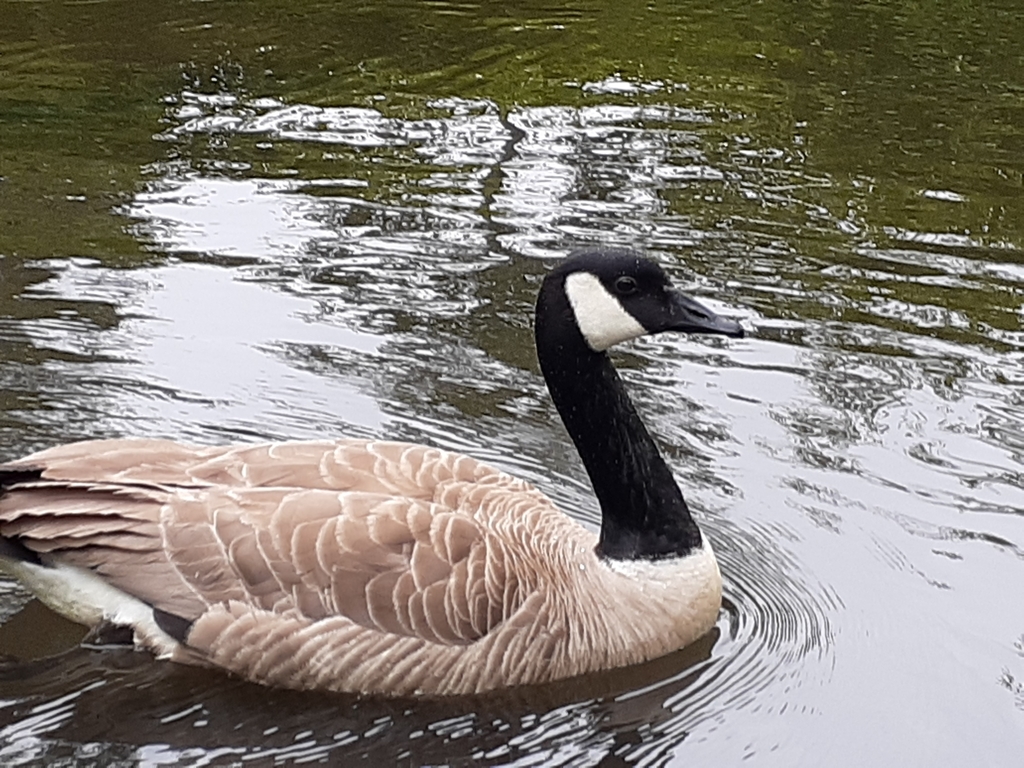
[(350, 565)]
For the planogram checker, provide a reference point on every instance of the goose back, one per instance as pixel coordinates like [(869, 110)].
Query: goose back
[(363, 566)]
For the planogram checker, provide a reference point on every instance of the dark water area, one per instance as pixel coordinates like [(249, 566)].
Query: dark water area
[(232, 222)]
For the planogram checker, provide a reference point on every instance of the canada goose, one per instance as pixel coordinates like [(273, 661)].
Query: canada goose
[(384, 567)]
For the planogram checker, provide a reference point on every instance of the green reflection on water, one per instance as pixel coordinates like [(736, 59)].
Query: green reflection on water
[(895, 118)]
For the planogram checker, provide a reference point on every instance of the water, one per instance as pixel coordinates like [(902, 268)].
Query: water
[(294, 220)]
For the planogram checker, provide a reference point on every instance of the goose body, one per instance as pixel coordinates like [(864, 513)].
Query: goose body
[(384, 567)]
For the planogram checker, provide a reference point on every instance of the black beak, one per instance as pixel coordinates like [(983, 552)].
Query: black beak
[(689, 316)]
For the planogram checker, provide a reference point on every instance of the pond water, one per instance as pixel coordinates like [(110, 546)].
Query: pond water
[(224, 221)]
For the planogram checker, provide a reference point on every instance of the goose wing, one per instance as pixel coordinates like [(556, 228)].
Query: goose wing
[(384, 540)]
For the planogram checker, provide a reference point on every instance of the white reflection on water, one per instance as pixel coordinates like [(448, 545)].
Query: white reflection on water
[(538, 202), (231, 217), (193, 355)]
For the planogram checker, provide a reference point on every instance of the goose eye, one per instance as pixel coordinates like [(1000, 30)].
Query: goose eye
[(626, 286)]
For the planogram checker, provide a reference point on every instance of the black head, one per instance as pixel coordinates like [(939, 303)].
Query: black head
[(618, 295)]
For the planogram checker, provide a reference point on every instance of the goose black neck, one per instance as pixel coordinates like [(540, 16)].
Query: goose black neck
[(643, 514)]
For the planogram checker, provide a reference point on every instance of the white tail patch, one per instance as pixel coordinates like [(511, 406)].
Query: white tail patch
[(599, 315), (86, 599)]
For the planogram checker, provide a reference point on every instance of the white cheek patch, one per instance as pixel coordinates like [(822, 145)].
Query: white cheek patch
[(599, 315)]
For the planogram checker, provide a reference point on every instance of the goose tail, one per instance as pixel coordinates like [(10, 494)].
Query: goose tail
[(11, 549)]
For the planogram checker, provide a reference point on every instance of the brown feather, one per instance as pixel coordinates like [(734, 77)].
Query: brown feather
[(349, 565)]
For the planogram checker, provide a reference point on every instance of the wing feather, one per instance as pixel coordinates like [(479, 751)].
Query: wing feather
[(295, 561)]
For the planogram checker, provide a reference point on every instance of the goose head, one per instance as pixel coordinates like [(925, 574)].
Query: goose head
[(616, 295)]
